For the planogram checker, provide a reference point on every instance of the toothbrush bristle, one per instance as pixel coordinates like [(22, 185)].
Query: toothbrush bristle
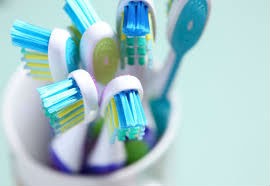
[(136, 20), (126, 116), (81, 13), (36, 64), (63, 105), (28, 36), (137, 49)]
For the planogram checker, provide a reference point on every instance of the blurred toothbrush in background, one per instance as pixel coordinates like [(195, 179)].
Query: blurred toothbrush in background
[(71, 101), (187, 20), (48, 55), (98, 47), (136, 32), (122, 109), (105, 157)]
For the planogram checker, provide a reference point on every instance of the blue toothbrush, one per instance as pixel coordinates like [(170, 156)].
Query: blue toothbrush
[(48, 55), (187, 20)]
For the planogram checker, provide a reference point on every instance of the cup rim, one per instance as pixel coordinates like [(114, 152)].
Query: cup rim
[(17, 147)]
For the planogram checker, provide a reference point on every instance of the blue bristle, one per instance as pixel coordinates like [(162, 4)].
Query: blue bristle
[(81, 13), (71, 98), (120, 111), (129, 120), (133, 106), (129, 25), (142, 19), (63, 104), (59, 95), (29, 36), (141, 114), (136, 20), (130, 114)]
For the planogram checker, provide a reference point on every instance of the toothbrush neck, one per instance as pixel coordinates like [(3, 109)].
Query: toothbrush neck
[(173, 64)]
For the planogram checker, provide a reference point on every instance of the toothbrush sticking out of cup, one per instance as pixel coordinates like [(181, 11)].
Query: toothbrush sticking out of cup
[(187, 21)]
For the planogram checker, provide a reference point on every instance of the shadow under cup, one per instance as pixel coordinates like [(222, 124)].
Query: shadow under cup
[(28, 134)]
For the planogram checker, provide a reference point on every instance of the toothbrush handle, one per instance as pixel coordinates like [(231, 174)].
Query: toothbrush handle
[(173, 63)]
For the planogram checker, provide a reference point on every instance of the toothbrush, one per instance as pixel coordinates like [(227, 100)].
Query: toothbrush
[(122, 109), (48, 55), (71, 101), (136, 32), (93, 132), (187, 20), (98, 47), (105, 157), (67, 150)]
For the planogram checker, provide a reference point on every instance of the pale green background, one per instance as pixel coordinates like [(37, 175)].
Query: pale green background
[(224, 87)]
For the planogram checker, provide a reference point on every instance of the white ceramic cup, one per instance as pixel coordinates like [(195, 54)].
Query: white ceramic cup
[(28, 135)]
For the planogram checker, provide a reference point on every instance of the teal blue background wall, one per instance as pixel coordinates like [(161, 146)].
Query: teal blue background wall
[(224, 86)]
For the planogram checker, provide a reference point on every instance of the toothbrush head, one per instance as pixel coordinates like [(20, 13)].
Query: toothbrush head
[(71, 101), (37, 43), (122, 108), (99, 52), (98, 46), (136, 32), (187, 20)]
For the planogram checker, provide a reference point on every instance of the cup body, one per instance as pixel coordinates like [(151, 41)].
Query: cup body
[(28, 134)]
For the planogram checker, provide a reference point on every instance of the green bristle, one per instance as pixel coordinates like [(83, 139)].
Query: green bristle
[(130, 51), (131, 60), (141, 41), (141, 60), (142, 51), (130, 41)]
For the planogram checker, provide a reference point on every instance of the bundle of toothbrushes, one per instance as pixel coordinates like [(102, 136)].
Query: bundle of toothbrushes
[(96, 78)]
